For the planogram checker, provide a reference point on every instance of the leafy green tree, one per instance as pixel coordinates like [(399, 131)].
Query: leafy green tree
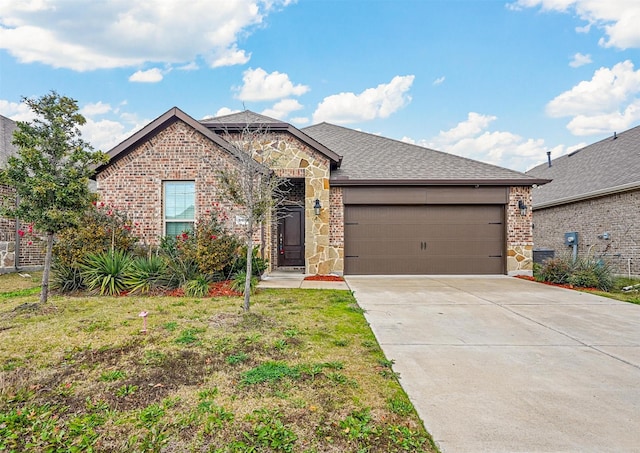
[(51, 171)]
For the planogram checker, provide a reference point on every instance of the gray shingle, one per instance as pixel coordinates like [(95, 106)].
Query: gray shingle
[(600, 167), (372, 157), (245, 117)]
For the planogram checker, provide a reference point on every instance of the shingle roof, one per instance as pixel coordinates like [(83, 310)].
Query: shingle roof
[(7, 126), (608, 166), (369, 157), (245, 117)]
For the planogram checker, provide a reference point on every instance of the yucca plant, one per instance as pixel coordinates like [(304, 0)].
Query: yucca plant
[(239, 280), (145, 273), (66, 278), (106, 272), (197, 287)]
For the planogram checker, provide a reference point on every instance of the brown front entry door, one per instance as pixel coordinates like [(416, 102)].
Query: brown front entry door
[(291, 237)]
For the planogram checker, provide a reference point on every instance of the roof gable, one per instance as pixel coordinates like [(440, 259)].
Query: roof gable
[(236, 122), (158, 125), (372, 159), (608, 166)]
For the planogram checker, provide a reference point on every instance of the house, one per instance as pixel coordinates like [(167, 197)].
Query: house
[(359, 203), (16, 252), (595, 192)]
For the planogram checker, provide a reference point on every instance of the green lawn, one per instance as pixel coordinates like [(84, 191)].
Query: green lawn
[(617, 293), (301, 373)]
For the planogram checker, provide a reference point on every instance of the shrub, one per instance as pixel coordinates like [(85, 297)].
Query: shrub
[(198, 287), (555, 270), (586, 272), (590, 273), (103, 229), (106, 272), (66, 278), (208, 250), (145, 273), (239, 281), (258, 265)]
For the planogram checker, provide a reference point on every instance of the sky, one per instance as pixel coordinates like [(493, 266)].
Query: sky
[(502, 82)]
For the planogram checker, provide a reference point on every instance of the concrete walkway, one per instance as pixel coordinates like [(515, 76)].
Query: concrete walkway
[(289, 279), (500, 364)]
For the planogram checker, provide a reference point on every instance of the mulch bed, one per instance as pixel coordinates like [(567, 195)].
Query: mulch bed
[(559, 285), (215, 290), (324, 278)]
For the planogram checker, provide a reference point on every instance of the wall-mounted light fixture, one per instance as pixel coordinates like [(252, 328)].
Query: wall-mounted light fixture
[(317, 207), (523, 207)]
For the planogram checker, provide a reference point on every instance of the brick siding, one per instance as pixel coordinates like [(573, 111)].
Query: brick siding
[(30, 248), (617, 214)]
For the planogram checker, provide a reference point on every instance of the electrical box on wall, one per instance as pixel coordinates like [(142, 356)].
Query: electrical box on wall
[(571, 238)]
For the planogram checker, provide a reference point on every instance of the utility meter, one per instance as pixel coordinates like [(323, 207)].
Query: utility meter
[(571, 238)]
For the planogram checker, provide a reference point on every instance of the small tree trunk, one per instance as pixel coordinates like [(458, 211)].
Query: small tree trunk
[(247, 282), (44, 292)]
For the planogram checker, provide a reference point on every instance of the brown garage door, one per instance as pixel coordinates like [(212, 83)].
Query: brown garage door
[(433, 239)]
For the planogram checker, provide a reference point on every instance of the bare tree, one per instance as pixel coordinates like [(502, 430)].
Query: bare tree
[(252, 186)]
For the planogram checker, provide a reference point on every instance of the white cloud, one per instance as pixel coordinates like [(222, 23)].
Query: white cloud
[(473, 139), (17, 111), (580, 59), (192, 66), (260, 86), (611, 97), (283, 108), (617, 18), (222, 111), (152, 75), (83, 35), (93, 109), (439, 81), (379, 102), (300, 120), (102, 134)]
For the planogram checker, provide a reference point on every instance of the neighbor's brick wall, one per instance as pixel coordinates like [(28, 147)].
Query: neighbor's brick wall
[(134, 182), (30, 251), (519, 232), (617, 214)]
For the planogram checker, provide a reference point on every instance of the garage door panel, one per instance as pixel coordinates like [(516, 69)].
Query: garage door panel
[(443, 239)]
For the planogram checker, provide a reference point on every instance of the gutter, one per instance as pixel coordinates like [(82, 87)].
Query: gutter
[(588, 195), (339, 182)]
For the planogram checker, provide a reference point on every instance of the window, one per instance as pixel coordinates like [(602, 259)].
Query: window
[(179, 206)]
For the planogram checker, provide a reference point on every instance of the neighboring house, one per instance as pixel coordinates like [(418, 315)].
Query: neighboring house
[(386, 207), (595, 192), (16, 252)]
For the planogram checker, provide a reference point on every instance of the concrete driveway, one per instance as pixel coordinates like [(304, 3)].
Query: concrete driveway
[(500, 364)]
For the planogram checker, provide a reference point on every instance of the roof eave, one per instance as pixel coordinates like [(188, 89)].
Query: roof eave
[(339, 182), (586, 196)]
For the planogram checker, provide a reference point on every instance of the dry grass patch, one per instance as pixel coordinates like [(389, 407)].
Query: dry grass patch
[(302, 372)]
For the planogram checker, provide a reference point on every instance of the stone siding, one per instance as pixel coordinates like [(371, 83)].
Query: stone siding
[(519, 233), (618, 215)]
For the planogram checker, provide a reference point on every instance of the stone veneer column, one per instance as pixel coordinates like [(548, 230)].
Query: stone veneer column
[(519, 233)]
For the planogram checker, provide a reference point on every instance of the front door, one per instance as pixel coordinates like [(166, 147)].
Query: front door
[(291, 237)]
